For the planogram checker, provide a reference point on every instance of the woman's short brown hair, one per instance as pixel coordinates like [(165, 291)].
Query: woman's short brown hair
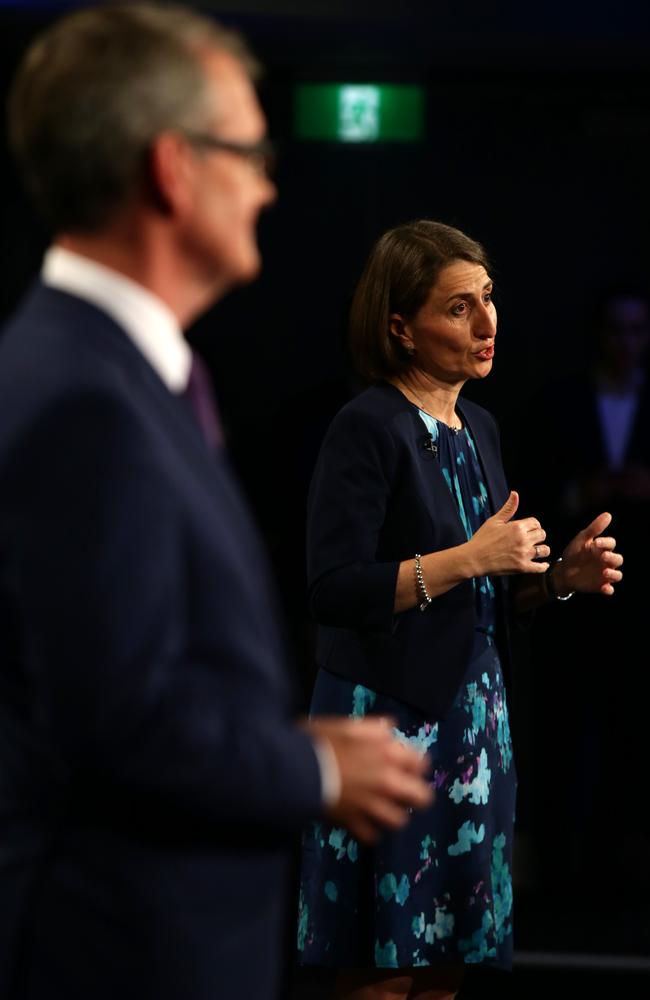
[(401, 270)]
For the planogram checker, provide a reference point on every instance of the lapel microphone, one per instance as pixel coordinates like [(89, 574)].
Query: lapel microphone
[(428, 445)]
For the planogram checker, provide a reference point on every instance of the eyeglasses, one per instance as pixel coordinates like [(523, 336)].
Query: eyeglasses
[(261, 156)]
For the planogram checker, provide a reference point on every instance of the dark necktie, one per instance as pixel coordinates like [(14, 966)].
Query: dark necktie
[(200, 395)]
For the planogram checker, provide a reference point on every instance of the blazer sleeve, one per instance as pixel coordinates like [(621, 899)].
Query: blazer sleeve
[(132, 712), (349, 586)]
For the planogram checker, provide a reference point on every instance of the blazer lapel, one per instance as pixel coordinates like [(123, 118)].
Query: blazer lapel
[(169, 412), (489, 457), (211, 472), (439, 500)]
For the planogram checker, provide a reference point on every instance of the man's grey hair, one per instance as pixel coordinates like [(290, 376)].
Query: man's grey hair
[(93, 92)]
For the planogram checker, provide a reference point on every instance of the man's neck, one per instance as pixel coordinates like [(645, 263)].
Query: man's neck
[(146, 256)]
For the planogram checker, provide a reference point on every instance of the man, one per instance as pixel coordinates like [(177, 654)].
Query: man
[(150, 778)]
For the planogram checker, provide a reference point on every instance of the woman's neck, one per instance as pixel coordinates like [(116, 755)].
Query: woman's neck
[(435, 398)]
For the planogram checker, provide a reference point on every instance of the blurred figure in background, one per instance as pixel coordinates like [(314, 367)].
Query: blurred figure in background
[(586, 447), (601, 451), (151, 779), (419, 570)]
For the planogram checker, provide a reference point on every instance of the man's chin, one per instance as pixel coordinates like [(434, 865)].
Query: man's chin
[(223, 275), (251, 267), (242, 270)]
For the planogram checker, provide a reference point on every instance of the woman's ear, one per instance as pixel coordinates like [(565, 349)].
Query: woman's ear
[(399, 328)]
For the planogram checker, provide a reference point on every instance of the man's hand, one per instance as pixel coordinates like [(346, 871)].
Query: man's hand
[(381, 779)]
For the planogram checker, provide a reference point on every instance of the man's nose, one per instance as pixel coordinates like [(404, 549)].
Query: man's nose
[(269, 191)]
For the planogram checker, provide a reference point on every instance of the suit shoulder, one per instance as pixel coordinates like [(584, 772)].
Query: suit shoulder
[(56, 385), (363, 432), (376, 407), (56, 346)]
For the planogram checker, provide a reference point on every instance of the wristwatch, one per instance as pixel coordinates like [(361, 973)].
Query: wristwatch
[(550, 584)]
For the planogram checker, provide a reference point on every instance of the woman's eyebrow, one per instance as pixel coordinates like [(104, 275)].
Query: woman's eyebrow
[(468, 295)]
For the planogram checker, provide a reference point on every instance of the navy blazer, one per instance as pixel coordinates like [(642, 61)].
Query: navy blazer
[(151, 780), (377, 497)]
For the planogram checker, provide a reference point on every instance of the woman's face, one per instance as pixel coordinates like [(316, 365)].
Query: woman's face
[(453, 333)]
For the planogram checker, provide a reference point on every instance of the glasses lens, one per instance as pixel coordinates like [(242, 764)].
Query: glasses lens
[(264, 160), (260, 155)]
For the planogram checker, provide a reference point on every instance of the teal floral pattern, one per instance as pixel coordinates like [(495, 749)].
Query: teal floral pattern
[(440, 890)]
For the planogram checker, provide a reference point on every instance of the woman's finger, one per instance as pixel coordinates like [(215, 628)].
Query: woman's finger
[(612, 559), (605, 542), (596, 527)]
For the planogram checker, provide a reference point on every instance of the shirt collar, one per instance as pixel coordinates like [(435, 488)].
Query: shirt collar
[(146, 319)]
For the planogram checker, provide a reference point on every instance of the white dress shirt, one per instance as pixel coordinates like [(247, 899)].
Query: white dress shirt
[(617, 412), (146, 319)]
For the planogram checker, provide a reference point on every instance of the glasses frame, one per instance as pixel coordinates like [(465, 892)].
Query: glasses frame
[(261, 156)]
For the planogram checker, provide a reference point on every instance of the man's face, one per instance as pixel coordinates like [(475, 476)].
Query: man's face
[(227, 190)]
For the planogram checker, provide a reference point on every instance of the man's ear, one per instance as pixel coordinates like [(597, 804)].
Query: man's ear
[(168, 173)]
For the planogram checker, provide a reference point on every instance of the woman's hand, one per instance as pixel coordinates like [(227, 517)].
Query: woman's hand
[(589, 562), (502, 545)]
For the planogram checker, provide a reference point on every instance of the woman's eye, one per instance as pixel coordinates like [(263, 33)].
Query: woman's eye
[(487, 297), (459, 309)]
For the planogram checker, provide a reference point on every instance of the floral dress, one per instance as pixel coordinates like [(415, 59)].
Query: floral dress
[(441, 889)]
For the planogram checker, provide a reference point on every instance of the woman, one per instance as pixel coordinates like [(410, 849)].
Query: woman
[(413, 547)]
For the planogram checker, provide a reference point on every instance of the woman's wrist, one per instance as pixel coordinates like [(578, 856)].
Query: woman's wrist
[(438, 572), (469, 560), (557, 588), (423, 597)]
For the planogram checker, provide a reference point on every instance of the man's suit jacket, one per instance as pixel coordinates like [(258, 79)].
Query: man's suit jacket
[(150, 778), (377, 497)]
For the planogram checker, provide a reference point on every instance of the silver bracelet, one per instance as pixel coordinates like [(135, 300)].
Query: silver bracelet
[(420, 584), (550, 586)]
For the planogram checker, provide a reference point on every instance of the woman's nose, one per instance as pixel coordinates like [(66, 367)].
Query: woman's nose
[(485, 322)]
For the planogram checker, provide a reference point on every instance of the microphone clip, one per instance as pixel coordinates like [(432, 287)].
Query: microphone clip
[(427, 444)]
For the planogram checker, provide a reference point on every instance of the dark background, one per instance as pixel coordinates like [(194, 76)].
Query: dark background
[(537, 144)]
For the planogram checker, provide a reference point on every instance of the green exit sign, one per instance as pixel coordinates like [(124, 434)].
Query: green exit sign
[(359, 112)]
